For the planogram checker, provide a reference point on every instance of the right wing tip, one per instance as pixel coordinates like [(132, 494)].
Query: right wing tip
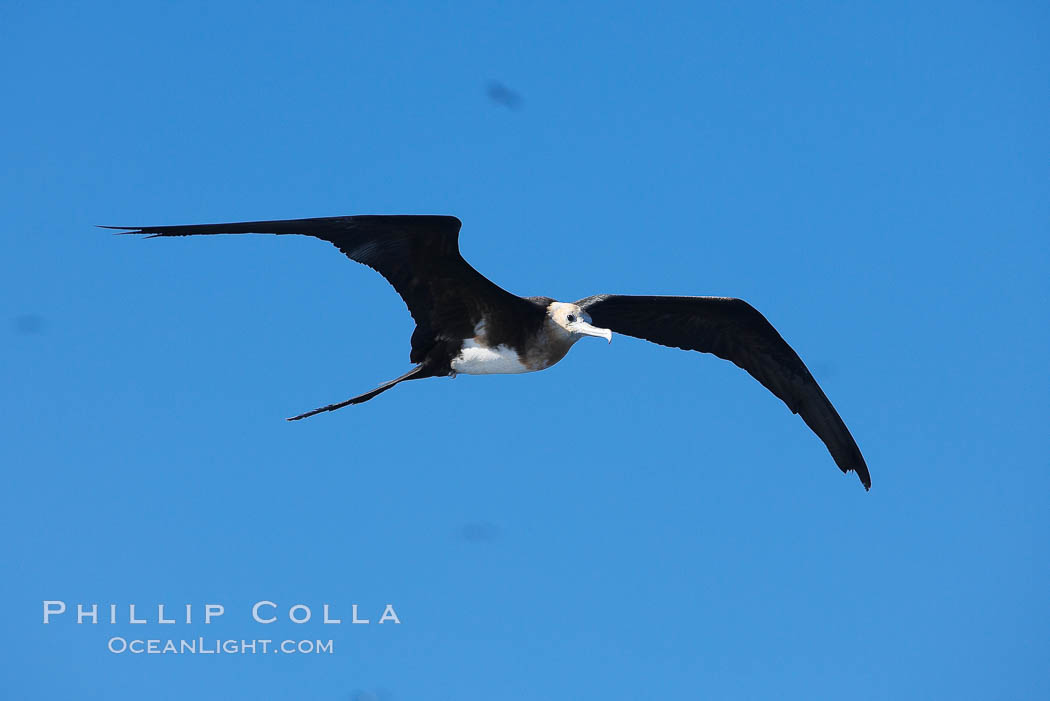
[(863, 475), (865, 479)]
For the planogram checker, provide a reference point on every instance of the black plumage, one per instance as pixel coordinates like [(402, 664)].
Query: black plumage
[(459, 312), (733, 330)]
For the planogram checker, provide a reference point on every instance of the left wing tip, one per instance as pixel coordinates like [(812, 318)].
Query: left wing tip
[(122, 230)]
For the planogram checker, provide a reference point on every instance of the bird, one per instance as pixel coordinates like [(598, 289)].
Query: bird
[(466, 324)]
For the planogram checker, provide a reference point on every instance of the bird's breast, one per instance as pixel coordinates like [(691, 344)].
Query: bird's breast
[(478, 359)]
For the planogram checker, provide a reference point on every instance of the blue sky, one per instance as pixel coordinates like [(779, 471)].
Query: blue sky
[(636, 522)]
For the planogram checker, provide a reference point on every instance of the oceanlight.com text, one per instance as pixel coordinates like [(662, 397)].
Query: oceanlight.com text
[(214, 646)]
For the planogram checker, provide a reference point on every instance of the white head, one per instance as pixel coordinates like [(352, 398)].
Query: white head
[(574, 321)]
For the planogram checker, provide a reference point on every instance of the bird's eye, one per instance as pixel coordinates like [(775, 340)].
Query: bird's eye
[(571, 318)]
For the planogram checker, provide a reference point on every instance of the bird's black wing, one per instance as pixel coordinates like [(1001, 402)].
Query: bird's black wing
[(417, 254), (734, 330)]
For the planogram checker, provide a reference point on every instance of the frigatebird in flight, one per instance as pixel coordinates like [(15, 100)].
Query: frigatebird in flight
[(467, 324)]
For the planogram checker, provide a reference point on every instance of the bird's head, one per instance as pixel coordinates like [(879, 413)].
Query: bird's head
[(575, 322)]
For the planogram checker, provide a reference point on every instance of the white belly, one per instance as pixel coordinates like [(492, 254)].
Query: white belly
[(478, 360)]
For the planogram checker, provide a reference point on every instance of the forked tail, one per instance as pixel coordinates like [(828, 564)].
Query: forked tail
[(413, 373)]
